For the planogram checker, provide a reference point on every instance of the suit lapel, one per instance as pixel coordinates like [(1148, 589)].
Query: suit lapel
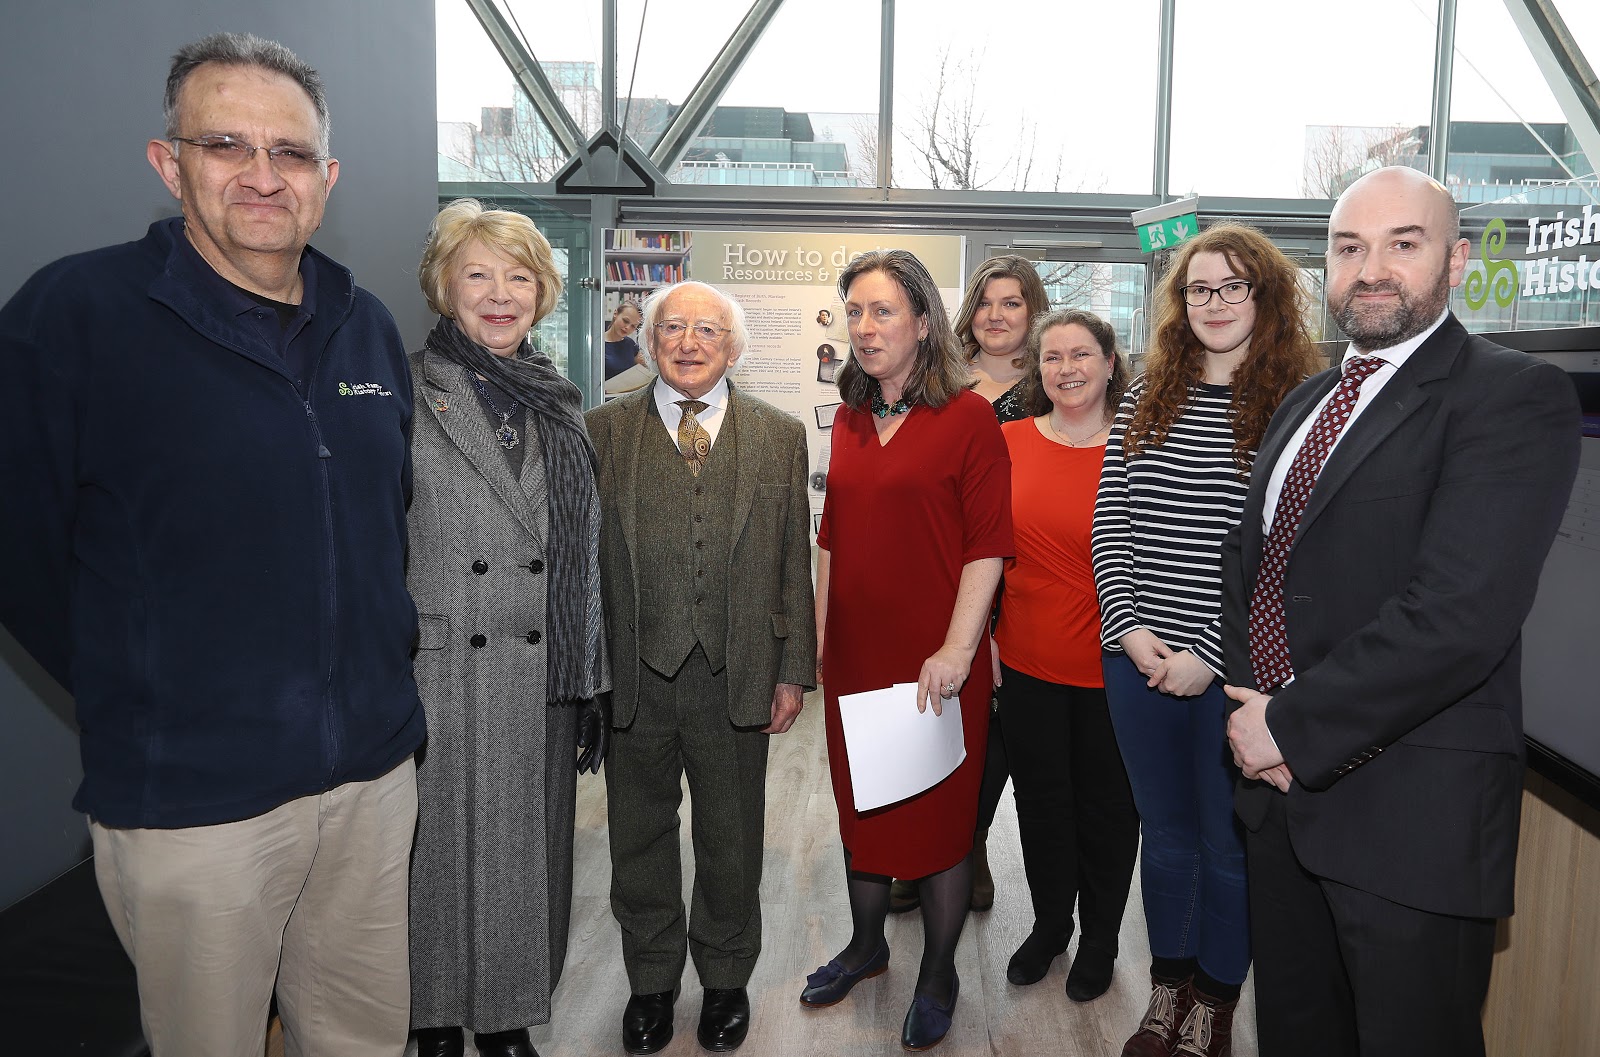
[(628, 441), (1400, 398), (454, 406), (748, 467)]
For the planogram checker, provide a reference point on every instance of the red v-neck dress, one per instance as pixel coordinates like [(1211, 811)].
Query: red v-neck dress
[(899, 522)]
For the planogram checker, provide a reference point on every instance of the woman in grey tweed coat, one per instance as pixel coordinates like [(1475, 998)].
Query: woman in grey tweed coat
[(504, 521)]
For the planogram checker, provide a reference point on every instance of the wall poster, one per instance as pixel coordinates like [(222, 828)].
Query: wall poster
[(786, 283)]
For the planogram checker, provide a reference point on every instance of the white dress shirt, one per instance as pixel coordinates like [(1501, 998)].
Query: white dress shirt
[(716, 408), (1370, 388)]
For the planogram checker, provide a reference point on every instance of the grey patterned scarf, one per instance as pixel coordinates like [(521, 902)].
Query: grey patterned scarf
[(555, 408)]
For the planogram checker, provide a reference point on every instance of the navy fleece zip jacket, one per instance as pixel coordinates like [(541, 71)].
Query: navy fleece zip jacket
[(209, 557)]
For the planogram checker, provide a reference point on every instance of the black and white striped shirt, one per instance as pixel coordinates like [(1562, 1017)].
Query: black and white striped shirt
[(1159, 521)]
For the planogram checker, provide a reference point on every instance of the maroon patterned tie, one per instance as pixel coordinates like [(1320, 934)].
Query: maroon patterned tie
[(1269, 644)]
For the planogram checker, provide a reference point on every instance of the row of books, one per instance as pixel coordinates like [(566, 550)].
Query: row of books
[(631, 272), (628, 238)]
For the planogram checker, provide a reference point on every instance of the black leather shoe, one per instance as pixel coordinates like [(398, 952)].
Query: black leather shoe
[(1090, 975), (724, 1018), (927, 1022), (1032, 960), (505, 1044), (647, 1021), (832, 982), (440, 1042)]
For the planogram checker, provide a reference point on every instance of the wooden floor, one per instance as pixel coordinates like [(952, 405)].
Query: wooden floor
[(806, 921)]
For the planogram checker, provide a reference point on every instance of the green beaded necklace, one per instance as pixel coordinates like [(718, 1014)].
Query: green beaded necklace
[(884, 410)]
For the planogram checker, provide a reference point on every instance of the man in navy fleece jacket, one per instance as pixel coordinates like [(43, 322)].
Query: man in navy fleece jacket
[(206, 465)]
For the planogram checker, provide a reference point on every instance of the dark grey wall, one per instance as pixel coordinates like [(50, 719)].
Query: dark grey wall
[(82, 86)]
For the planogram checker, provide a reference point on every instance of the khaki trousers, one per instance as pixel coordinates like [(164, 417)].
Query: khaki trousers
[(310, 897)]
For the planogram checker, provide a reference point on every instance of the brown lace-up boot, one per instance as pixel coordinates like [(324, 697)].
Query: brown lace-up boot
[(1170, 1004), (1207, 1031)]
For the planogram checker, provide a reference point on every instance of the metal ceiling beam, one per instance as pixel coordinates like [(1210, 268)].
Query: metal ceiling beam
[(1444, 64), (608, 64), (885, 175), (1570, 77), (714, 82), (1161, 168), (525, 68)]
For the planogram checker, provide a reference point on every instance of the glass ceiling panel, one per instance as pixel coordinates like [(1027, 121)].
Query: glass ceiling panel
[(798, 114), (1036, 97), (680, 38), (488, 129), (1258, 84), (1583, 22)]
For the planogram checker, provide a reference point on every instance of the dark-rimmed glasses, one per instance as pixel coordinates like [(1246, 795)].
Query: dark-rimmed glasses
[(1198, 296), (229, 150), (704, 329)]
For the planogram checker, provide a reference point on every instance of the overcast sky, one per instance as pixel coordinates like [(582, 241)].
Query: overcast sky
[(1076, 78)]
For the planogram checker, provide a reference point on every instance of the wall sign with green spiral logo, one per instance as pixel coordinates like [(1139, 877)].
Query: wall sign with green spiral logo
[(1498, 279)]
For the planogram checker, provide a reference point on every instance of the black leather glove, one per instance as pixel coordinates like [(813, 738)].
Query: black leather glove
[(594, 732)]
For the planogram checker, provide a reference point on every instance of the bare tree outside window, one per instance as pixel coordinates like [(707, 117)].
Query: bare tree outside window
[(1337, 155), (954, 143)]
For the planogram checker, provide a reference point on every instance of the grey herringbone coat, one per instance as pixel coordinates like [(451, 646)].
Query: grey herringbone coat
[(491, 876)]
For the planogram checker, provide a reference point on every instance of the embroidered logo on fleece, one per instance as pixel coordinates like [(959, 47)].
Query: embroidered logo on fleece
[(363, 389)]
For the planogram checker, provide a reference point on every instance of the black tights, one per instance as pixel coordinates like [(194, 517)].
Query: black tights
[(945, 898)]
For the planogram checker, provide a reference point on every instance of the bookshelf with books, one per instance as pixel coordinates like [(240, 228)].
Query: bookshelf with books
[(638, 260)]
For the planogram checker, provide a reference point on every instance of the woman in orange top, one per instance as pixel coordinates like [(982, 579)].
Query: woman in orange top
[(1079, 827)]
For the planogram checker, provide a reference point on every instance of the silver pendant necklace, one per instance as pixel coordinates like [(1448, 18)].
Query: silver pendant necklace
[(506, 433)]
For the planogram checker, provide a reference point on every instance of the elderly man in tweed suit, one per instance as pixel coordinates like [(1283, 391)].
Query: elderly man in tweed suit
[(706, 574)]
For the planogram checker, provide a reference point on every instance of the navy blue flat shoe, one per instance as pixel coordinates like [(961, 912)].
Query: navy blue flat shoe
[(831, 983), (927, 1022)]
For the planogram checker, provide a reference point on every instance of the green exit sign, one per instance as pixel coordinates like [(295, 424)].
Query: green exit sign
[(1165, 226)]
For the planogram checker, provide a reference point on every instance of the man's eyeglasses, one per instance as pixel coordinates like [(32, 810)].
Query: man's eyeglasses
[(227, 150), (1231, 293), (705, 330)]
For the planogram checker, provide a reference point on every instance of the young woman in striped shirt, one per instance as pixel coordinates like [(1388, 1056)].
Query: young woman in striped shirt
[(1229, 342)]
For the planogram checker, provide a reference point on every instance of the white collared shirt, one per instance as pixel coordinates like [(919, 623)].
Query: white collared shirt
[(1370, 388), (716, 408)]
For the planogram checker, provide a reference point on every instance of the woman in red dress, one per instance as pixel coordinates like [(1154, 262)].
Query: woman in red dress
[(916, 524)]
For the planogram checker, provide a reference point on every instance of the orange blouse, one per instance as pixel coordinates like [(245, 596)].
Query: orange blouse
[(1049, 615)]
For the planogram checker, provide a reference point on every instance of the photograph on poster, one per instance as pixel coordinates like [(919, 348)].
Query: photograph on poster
[(785, 282)]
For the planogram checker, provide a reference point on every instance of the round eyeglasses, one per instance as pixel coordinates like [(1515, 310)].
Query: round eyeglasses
[(1231, 293), (236, 153), (705, 330)]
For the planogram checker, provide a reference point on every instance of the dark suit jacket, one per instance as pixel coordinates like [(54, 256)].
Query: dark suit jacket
[(771, 623), (1413, 568)]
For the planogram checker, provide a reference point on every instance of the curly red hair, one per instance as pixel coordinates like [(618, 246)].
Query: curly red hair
[(1281, 354)]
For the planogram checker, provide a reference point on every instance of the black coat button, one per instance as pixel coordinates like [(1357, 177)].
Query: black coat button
[(478, 642), (533, 638), (536, 566), (480, 566)]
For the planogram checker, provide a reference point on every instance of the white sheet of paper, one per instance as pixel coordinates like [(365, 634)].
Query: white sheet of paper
[(895, 751)]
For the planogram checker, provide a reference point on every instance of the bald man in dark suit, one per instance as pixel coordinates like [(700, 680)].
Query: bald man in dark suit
[(1399, 515)]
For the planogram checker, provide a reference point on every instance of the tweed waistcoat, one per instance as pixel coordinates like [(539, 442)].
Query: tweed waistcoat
[(685, 537)]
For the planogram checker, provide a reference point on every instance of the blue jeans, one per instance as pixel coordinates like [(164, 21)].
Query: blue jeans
[(1192, 866)]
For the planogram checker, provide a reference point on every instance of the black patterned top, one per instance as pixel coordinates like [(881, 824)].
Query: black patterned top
[(1008, 408)]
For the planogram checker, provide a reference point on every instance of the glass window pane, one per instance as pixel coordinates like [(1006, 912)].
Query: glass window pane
[(1257, 84), (803, 110), (488, 128), (1514, 161), (1036, 97), (663, 48), (1583, 22), (1114, 292)]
